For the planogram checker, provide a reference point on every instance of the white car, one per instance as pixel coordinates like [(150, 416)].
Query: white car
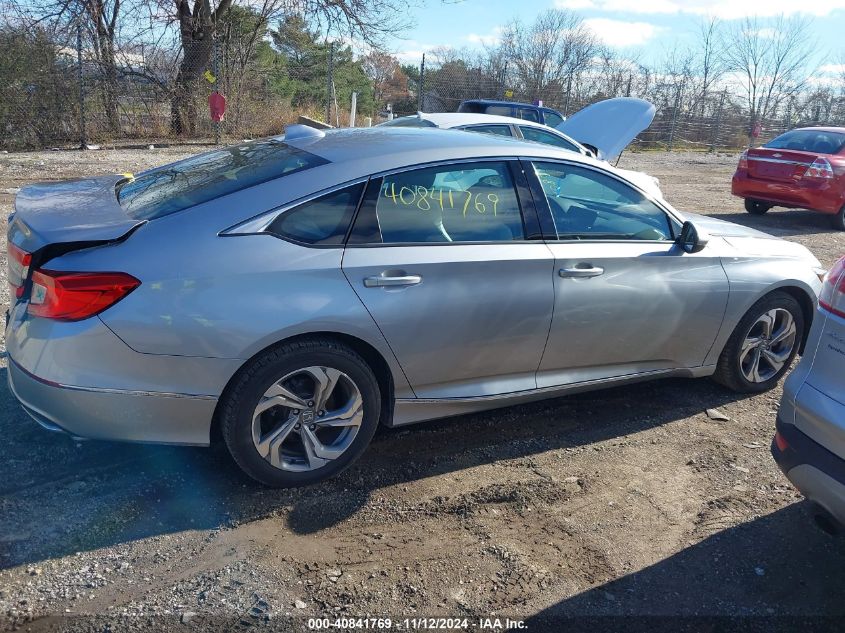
[(603, 130)]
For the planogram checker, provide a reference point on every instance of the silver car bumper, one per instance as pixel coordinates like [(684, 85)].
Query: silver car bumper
[(81, 378), (113, 414), (814, 470)]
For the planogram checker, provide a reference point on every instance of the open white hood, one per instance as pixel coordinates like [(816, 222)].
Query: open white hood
[(610, 125)]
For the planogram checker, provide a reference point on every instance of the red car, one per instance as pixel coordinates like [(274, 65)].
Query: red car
[(803, 168)]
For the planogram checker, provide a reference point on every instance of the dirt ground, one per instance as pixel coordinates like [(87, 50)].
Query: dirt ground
[(570, 514)]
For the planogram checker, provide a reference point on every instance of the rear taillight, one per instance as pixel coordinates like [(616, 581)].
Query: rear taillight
[(75, 296), (743, 160), (820, 168), (832, 297), (18, 262), (781, 443)]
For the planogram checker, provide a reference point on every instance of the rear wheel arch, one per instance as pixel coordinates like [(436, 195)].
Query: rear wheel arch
[(370, 354)]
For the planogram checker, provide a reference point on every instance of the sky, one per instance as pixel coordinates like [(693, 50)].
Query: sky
[(644, 29)]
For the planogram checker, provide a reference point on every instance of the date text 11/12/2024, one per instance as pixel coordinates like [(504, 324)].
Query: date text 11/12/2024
[(417, 624)]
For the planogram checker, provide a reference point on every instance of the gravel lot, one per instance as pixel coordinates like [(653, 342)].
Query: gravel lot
[(624, 502)]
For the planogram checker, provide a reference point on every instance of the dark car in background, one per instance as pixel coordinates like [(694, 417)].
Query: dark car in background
[(525, 111), (803, 168)]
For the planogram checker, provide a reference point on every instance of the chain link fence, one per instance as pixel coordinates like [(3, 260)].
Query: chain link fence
[(69, 92), (716, 120)]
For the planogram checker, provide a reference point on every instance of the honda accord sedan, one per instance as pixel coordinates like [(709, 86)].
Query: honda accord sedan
[(289, 295)]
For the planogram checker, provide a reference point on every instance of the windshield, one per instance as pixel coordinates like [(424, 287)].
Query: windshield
[(816, 141), (201, 178)]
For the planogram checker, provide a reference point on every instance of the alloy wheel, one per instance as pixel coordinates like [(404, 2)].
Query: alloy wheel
[(768, 345), (307, 418)]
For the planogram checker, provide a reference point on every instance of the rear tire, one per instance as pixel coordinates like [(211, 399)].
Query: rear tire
[(838, 220), (300, 413), (756, 207), (763, 345)]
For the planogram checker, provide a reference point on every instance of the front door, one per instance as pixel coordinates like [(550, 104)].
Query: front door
[(628, 300), (439, 257)]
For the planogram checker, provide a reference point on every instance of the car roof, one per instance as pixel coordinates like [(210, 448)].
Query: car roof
[(819, 128), (505, 102), (359, 152), (453, 119)]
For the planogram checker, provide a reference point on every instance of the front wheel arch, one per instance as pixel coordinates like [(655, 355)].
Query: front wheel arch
[(370, 354), (726, 372), (808, 308)]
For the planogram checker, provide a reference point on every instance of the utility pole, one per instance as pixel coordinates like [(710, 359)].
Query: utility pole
[(675, 116), (568, 93), (421, 86), (329, 84), (82, 140), (718, 129)]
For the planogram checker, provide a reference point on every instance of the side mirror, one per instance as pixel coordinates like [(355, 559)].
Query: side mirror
[(690, 239)]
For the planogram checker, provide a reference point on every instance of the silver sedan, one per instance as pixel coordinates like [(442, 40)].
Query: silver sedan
[(291, 294)]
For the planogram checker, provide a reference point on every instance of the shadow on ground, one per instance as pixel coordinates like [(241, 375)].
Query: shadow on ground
[(734, 580), (783, 223), (59, 496)]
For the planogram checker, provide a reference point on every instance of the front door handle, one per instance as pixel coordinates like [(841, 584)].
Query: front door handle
[(400, 280), (581, 271)]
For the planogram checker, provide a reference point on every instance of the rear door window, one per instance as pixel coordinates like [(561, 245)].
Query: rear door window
[(552, 119), (501, 130), (549, 138), (501, 110), (471, 202), (323, 221), (171, 188), (528, 114)]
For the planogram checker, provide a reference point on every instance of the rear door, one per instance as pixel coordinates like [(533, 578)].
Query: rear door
[(628, 300), (442, 257)]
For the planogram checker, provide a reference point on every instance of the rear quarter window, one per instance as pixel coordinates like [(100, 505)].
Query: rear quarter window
[(323, 221), (172, 188)]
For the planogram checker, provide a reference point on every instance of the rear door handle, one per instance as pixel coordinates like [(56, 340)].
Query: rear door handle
[(577, 272), (378, 281)]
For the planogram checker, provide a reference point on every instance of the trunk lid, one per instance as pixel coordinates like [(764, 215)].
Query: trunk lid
[(610, 125), (778, 165), (77, 211)]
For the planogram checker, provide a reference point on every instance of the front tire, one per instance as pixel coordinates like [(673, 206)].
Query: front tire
[(301, 412), (756, 207), (763, 345), (838, 220)]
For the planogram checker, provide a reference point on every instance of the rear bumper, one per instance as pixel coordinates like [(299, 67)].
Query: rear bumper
[(825, 198), (815, 471), (81, 378), (109, 414)]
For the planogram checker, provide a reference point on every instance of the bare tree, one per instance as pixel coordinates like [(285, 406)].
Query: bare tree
[(709, 62), (367, 21), (556, 46), (771, 62)]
